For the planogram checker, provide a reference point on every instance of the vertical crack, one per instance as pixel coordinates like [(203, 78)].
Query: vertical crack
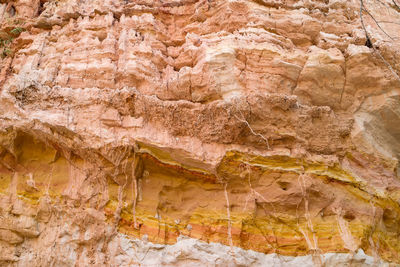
[(228, 212)]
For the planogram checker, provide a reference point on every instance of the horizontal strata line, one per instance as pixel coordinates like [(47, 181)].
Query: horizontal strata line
[(211, 254)]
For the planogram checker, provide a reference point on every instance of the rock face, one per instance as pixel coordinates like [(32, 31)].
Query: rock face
[(199, 133)]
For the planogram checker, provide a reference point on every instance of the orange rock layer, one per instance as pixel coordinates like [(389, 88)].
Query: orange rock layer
[(262, 128)]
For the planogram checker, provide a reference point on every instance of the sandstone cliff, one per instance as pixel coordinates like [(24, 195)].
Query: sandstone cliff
[(199, 133)]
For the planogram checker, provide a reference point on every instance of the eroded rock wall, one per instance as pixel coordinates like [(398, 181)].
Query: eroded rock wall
[(212, 132)]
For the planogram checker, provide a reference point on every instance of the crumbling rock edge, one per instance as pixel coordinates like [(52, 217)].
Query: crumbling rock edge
[(188, 251)]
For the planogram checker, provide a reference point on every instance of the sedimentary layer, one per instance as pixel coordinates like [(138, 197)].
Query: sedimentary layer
[(178, 133)]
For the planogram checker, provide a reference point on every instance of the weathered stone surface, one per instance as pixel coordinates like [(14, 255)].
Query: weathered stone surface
[(10, 237), (186, 133)]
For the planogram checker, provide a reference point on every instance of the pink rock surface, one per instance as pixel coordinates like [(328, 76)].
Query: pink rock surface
[(221, 92)]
